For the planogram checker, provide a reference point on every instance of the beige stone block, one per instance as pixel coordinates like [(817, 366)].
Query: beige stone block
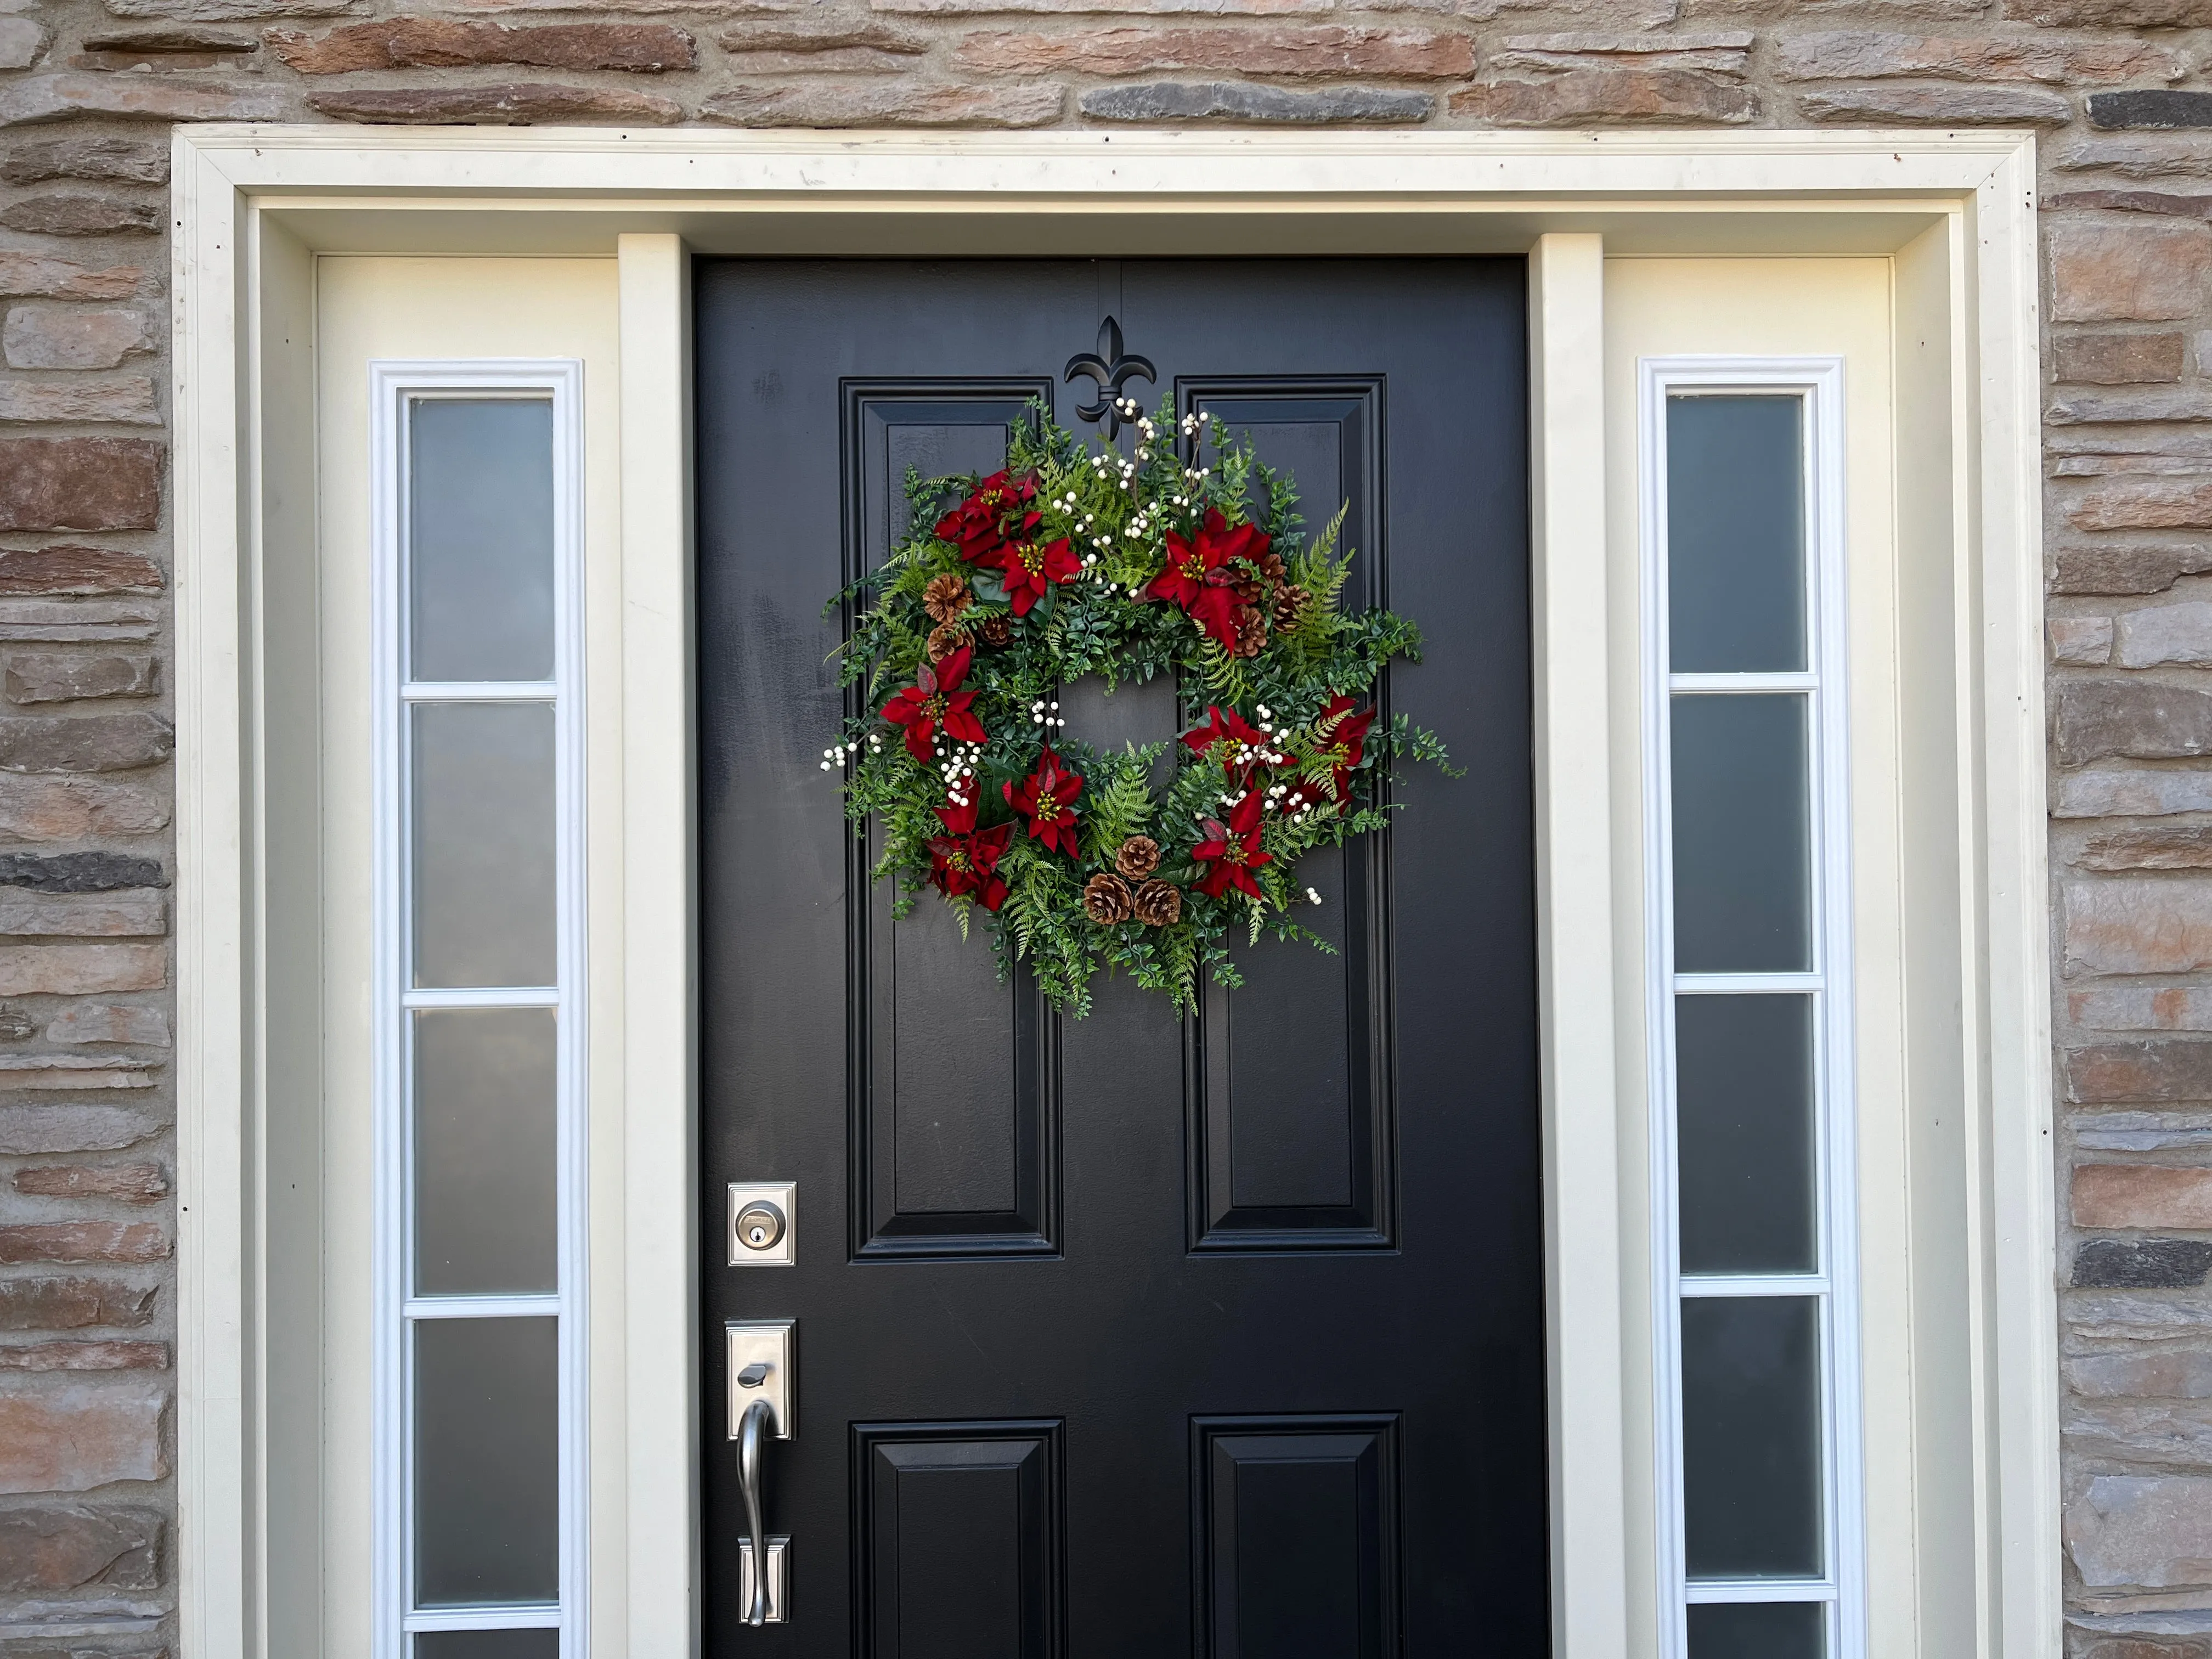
[(2141, 1008), (139, 913), (502, 104), (2106, 272), (2144, 504), (48, 277), (134, 97), (1278, 50), (2138, 927), (2138, 1195), (85, 1356), (73, 969), (125, 400), (69, 1242), (60, 337), (831, 104), (1870, 54), (2151, 1530), (1627, 93), (67, 1303), (2080, 640), (2165, 635), (2168, 847), (39, 676), (80, 1436), (2155, 1072), (36, 1129), (69, 809), (111, 1022), (126, 1183)]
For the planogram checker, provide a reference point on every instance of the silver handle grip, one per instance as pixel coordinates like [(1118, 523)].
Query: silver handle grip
[(751, 1433)]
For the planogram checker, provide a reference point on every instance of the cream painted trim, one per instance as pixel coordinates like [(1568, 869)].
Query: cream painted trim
[(1583, 1260), (660, 952), (240, 191)]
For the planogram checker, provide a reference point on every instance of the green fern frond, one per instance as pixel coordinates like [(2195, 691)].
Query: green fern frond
[(1222, 673)]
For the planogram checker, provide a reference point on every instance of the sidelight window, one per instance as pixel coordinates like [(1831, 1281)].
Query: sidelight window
[(1750, 1011), (479, 1355)]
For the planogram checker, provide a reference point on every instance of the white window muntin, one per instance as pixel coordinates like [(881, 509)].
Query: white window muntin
[(1819, 383), (396, 390)]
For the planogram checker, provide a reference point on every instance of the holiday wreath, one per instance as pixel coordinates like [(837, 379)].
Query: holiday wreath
[(1070, 562)]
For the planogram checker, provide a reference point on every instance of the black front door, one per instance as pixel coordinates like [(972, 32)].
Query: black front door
[(1125, 1338)]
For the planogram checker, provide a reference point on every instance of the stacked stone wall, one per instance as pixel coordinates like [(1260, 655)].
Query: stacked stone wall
[(2119, 90)]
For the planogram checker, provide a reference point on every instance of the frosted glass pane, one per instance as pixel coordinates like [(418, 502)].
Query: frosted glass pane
[(1735, 534), (487, 1461), (1743, 887), (484, 1219), (1743, 1089), (487, 1644), (483, 844), (1759, 1630), (480, 538), (1751, 1437)]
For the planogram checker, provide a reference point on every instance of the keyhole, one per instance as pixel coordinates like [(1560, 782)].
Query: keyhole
[(760, 1225)]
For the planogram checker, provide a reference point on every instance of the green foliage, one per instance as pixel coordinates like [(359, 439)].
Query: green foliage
[(1123, 513)]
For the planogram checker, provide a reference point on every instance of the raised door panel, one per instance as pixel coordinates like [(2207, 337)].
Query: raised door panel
[(1291, 1104), (955, 1076), (1296, 1536), (958, 1539)]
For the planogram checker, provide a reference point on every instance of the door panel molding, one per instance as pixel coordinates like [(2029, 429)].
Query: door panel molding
[(1294, 1535), (958, 1545), (1293, 1169), (922, 1046)]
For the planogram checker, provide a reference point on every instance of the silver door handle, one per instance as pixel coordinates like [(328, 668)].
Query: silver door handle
[(751, 1432)]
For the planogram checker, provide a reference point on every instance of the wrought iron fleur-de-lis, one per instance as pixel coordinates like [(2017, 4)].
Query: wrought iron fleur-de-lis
[(1110, 368)]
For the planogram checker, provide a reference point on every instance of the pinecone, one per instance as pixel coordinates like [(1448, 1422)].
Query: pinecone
[(1106, 900), (1290, 604), (946, 640), (1139, 857), (1251, 630), (1158, 904), (1272, 567), (997, 630), (947, 597), (1248, 590)]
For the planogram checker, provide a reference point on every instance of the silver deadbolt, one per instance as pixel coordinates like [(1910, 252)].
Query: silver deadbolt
[(763, 1220), (760, 1225)]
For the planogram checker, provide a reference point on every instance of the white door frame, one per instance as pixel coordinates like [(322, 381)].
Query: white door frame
[(254, 206)]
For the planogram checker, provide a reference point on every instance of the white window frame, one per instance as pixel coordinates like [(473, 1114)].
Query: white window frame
[(254, 206), (1818, 383), (395, 388)]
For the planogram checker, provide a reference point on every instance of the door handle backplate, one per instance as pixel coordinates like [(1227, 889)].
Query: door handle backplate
[(763, 1355)]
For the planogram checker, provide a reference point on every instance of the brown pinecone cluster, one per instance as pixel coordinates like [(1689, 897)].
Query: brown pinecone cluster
[(945, 599), (1266, 602), (997, 630), (1108, 899), (1139, 857)]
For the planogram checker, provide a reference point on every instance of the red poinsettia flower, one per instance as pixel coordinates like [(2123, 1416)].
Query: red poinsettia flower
[(1195, 577), (934, 700), (1046, 799), (1028, 566), (998, 511), (1228, 737), (965, 860), (1231, 851), (1341, 737)]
